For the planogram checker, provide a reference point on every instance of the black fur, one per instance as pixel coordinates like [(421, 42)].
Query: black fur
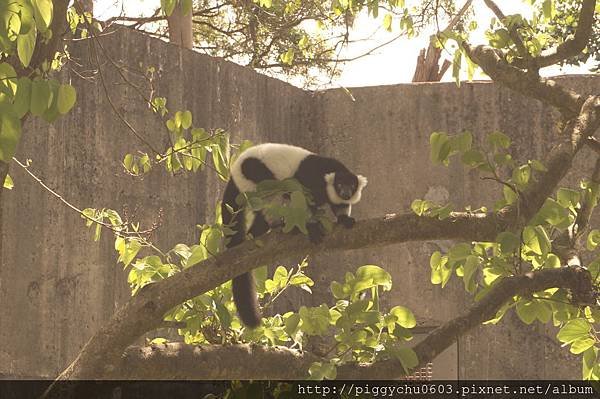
[(310, 174), (256, 171)]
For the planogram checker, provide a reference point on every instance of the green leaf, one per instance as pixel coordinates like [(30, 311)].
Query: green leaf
[(590, 359), (538, 166), (470, 267), (320, 371), (10, 22), (43, 10), (51, 114), (296, 214), (315, 321), (66, 98), (376, 275), (288, 56), (8, 183), (291, 324), (129, 251), (440, 269), (521, 175), (498, 140), (567, 198), (461, 142), (536, 239), (406, 356), (186, 119), (473, 158), (420, 206), (40, 97), (509, 242), (168, 6), (456, 65), (22, 101), (27, 21), (459, 252), (8, 79), (554, 213), (26, 46), (548, 8), (10, 134), (573, 330), (582, 344), (593, 240), (404, 317), (509, 195), (527, 311), (440, 147), (387, 22), (186, 8)]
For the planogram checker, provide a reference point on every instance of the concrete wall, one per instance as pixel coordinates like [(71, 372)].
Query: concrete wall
[(57, 286)]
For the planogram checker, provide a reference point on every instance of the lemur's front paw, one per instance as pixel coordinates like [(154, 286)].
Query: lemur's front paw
[(315, 232), (346, 221)]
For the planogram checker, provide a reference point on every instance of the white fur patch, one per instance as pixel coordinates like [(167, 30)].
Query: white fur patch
[(281, 159), (333, 195)]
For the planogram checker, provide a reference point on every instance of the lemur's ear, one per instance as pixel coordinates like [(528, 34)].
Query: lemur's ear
[(362, 181), (330, 177)]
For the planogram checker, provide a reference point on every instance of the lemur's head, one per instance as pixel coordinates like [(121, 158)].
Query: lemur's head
[(344, 187)]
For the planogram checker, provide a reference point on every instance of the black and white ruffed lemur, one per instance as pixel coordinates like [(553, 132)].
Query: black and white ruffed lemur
[(328, 180)]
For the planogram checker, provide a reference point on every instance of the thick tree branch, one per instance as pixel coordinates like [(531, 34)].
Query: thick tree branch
[(575, 134), (214, 362), (528, 84), (145, 311)]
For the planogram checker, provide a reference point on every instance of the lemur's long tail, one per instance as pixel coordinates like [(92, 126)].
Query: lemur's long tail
[(244, 289)]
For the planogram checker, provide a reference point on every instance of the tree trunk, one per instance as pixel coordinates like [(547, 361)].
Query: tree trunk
[(87, 6), (180, 28), (428, 68)]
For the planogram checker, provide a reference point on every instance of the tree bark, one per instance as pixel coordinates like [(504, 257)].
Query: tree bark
[(180, 28), (428, 68)]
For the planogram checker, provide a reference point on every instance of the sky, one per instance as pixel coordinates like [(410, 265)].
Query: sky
[(394, 63)]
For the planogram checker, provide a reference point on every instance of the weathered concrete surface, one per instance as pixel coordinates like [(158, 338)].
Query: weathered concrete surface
[(57, 286)]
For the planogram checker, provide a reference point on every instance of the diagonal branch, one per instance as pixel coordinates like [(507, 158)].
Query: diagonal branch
[(512, 31), (215, 362), (570, 47), (567, 101), (576, 279)]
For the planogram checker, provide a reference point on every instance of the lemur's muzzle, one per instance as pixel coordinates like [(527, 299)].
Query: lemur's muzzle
[(345, 193)]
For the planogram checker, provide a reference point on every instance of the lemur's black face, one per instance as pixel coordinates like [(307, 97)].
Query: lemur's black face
[(345, 185)]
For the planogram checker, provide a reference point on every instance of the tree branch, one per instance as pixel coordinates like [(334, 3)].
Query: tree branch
[(512, 31), (246, 362), (570, 47), (567, 101)]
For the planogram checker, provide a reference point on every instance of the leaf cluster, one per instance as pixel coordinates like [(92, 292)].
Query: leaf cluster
[(537, 245)]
